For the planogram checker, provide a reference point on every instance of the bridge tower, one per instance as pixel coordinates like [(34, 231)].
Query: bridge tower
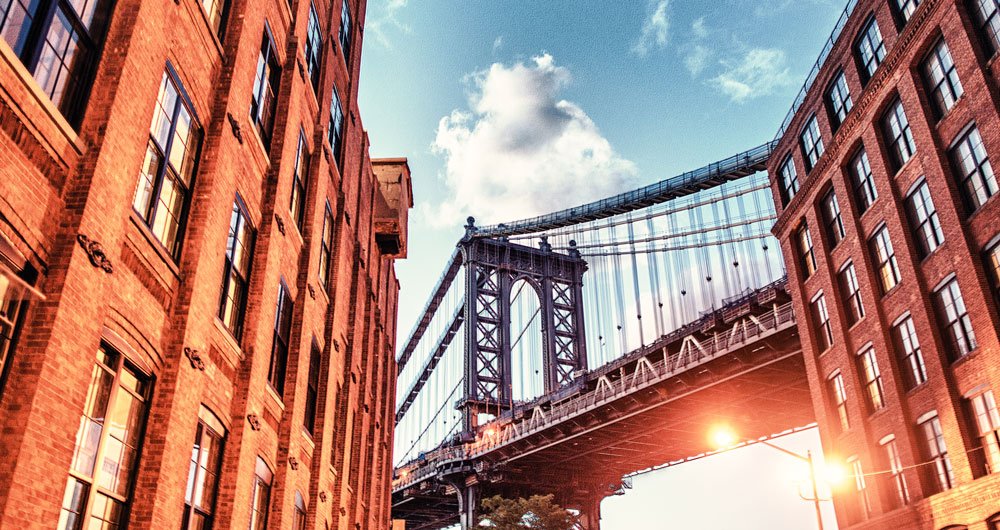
[(492, 267)]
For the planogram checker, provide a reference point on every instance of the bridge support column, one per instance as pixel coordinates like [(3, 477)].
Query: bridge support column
[(590, 514), (468, 499)]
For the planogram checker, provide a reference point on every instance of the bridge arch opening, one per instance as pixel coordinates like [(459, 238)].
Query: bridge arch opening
[(527, 354)]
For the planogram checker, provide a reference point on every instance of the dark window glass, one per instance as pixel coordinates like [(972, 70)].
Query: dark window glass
[(898, 136), (838, 100), (870, 50), (216, 11), (954, 319), (236, 273), (326, 248), (59, 42), (265, 89), (924, 218), (987, 419), (896, 479), (789, 180), (314, 46), (993, 268), (297, 204), (336, 132), (282, 335), (99, 487), (164, 188), (821, 321), (987, 14), (905, 9), (832, 218), (885, 259), (941, 78), (937, 454), (909, 352), (977, 181), (871, 376), (203, 473), (13, 301), (864, 184), (811, 142), (260, 500), (838, 400), (851, 293), (807, 258), (312, 390), (299, 517), (345, 30)]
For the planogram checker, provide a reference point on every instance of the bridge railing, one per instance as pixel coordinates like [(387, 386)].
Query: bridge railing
[(692, 353)]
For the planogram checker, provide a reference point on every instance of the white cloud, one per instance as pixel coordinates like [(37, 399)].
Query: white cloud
[(498, 43), (696, 59), (654, 29), (758, 73), (699, 28), (388, 18), (520, 150)]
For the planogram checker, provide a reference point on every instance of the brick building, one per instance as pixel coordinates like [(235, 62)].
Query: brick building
[(196, 268), (887, 217)]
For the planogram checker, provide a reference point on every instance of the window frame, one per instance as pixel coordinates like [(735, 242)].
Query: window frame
[(806, 251), (863, 185), (789, 179), (206, 421), (903, 10), (313, 48), (896, 477), (944, 92), (335, 133), (300, 181), (822, 328), (850, 293), (833, 220), (878, 242), (263, 119), (909, 351), (281, 339), (977, 176), (327, 237), (860, 488), (312, 389), (838, 108), (987, 29), (218, 27), (985, 418), (837, 400), (871, 377), (942, 475), (924, 221), (957, 347), (241, 211), (902, 146), (811, 143), (345, 36), (878, 52), (263, 481)]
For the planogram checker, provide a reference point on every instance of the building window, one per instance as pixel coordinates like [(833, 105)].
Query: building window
[(896, 477), (941, 78), (326, 248), (870, 49), (297, 205), (924, 218), (898, 136), (807, 258), (984, 409), (336, 132), (993, 267), (978, 183), (885, 259), (864, 507), (838, 101), (789, 180), (838, 400), (954, 319), (864, 184), (851, 294), (908, 349), (937, 454), (872, 378), (59, 42), (265, 89), (987, 14), (282, 336), (812, 143), (103, 468), (236, 273), (821, 321), (164, 186), (216, 12), (299, 516), (312, 389), (345, 30), (260, 500), (203, 472), (905, 9), (832, 218), (314, 46), (14, 292)]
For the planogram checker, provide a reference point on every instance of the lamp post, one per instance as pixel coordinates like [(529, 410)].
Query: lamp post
[(725, 440)]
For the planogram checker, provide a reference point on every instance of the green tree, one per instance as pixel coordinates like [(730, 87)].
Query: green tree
[(538, 512)]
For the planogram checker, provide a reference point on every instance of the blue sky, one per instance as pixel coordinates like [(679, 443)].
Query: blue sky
[(511, 108)]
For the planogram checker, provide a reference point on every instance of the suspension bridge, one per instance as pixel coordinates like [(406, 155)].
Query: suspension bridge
[(563, 353)]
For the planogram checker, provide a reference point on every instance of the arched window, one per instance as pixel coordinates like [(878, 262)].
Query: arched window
[(261, 499), (203, 472), (299, 520)]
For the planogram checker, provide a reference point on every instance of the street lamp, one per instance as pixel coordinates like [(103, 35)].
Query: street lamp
[(725, 439)]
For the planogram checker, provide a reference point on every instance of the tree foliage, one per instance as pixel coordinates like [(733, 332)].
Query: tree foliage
[(538, 512)]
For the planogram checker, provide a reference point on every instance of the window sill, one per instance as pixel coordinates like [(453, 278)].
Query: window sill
[(965, 358), (307, 439), (259, 142), (233, 345), (916, 388), (154, 243), (894, 288), (273, 400), (973, 215), (860, 321), (213, 36)]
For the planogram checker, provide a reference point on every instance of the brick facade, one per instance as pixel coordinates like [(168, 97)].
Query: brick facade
[(93, 274), (952, 381)]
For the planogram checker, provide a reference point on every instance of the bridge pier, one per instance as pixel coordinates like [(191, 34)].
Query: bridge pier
[(590, 514), (468, 499)]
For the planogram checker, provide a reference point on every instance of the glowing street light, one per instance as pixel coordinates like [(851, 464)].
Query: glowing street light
[(726, 439)]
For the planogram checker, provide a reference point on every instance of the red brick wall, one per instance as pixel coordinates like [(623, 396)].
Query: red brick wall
[(974, 500), (56, 183)]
